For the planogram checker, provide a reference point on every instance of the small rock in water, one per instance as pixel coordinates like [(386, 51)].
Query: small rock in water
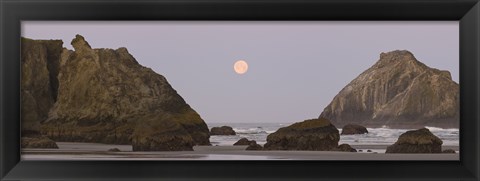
[(345, 148), (244, 141), (113, 150), (254, 146), (369, 150), (351, 129), (360, 150), (224, 130)]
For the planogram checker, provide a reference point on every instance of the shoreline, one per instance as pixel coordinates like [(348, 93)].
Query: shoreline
[(98, 151)]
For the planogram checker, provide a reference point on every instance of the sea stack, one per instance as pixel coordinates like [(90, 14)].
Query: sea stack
[(398, 91), (106, 96)]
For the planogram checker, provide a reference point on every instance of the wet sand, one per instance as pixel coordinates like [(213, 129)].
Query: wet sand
[(95, 151)]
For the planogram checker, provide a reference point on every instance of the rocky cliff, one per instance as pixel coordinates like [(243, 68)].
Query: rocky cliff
[(400, 92), (39, 65), (106, 96)]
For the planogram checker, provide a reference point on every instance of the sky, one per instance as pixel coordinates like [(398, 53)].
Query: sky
[(295, 68)]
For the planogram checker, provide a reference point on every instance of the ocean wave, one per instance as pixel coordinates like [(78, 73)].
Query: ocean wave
[(441, 129), (257, 130)]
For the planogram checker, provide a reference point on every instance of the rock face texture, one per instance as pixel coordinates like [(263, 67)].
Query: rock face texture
[(416, 141), (313, 134), (224, 130), (350, 129), (106, 96), (39, 65), (399, 92)]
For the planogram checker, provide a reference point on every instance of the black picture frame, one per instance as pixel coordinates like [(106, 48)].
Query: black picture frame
[(12, 12)]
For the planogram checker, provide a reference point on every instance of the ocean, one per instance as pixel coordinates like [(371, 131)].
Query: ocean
[(367, 145), (375, 136)]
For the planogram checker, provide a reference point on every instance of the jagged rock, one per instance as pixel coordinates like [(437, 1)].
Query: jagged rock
[(345, 148), (254, 146), (106, 96), (398, 92), (38, 142), (416, 141), (224, 130), (313, 134), (243, 141), (449, 151), (39, 62), (350, 129)]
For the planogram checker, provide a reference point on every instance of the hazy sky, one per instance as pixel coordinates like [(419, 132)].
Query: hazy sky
[(295, 68)]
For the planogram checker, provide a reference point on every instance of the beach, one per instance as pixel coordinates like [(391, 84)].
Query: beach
[(97, 151)]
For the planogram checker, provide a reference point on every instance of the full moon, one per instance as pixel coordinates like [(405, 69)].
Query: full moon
[(240, 67)]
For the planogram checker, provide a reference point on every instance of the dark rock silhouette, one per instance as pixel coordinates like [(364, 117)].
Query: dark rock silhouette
[(398, 92), (254, 146), (416, 141), (345, 148), (350, 129), (224, 130), (313, 134), (243, 141)]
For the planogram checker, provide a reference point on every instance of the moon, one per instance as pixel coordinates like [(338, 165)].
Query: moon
[(240, 67)]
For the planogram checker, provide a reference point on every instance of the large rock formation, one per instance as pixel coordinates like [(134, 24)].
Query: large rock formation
[(313, 134), (416, 141), (39, 65), (398, 92), (106, 96)]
